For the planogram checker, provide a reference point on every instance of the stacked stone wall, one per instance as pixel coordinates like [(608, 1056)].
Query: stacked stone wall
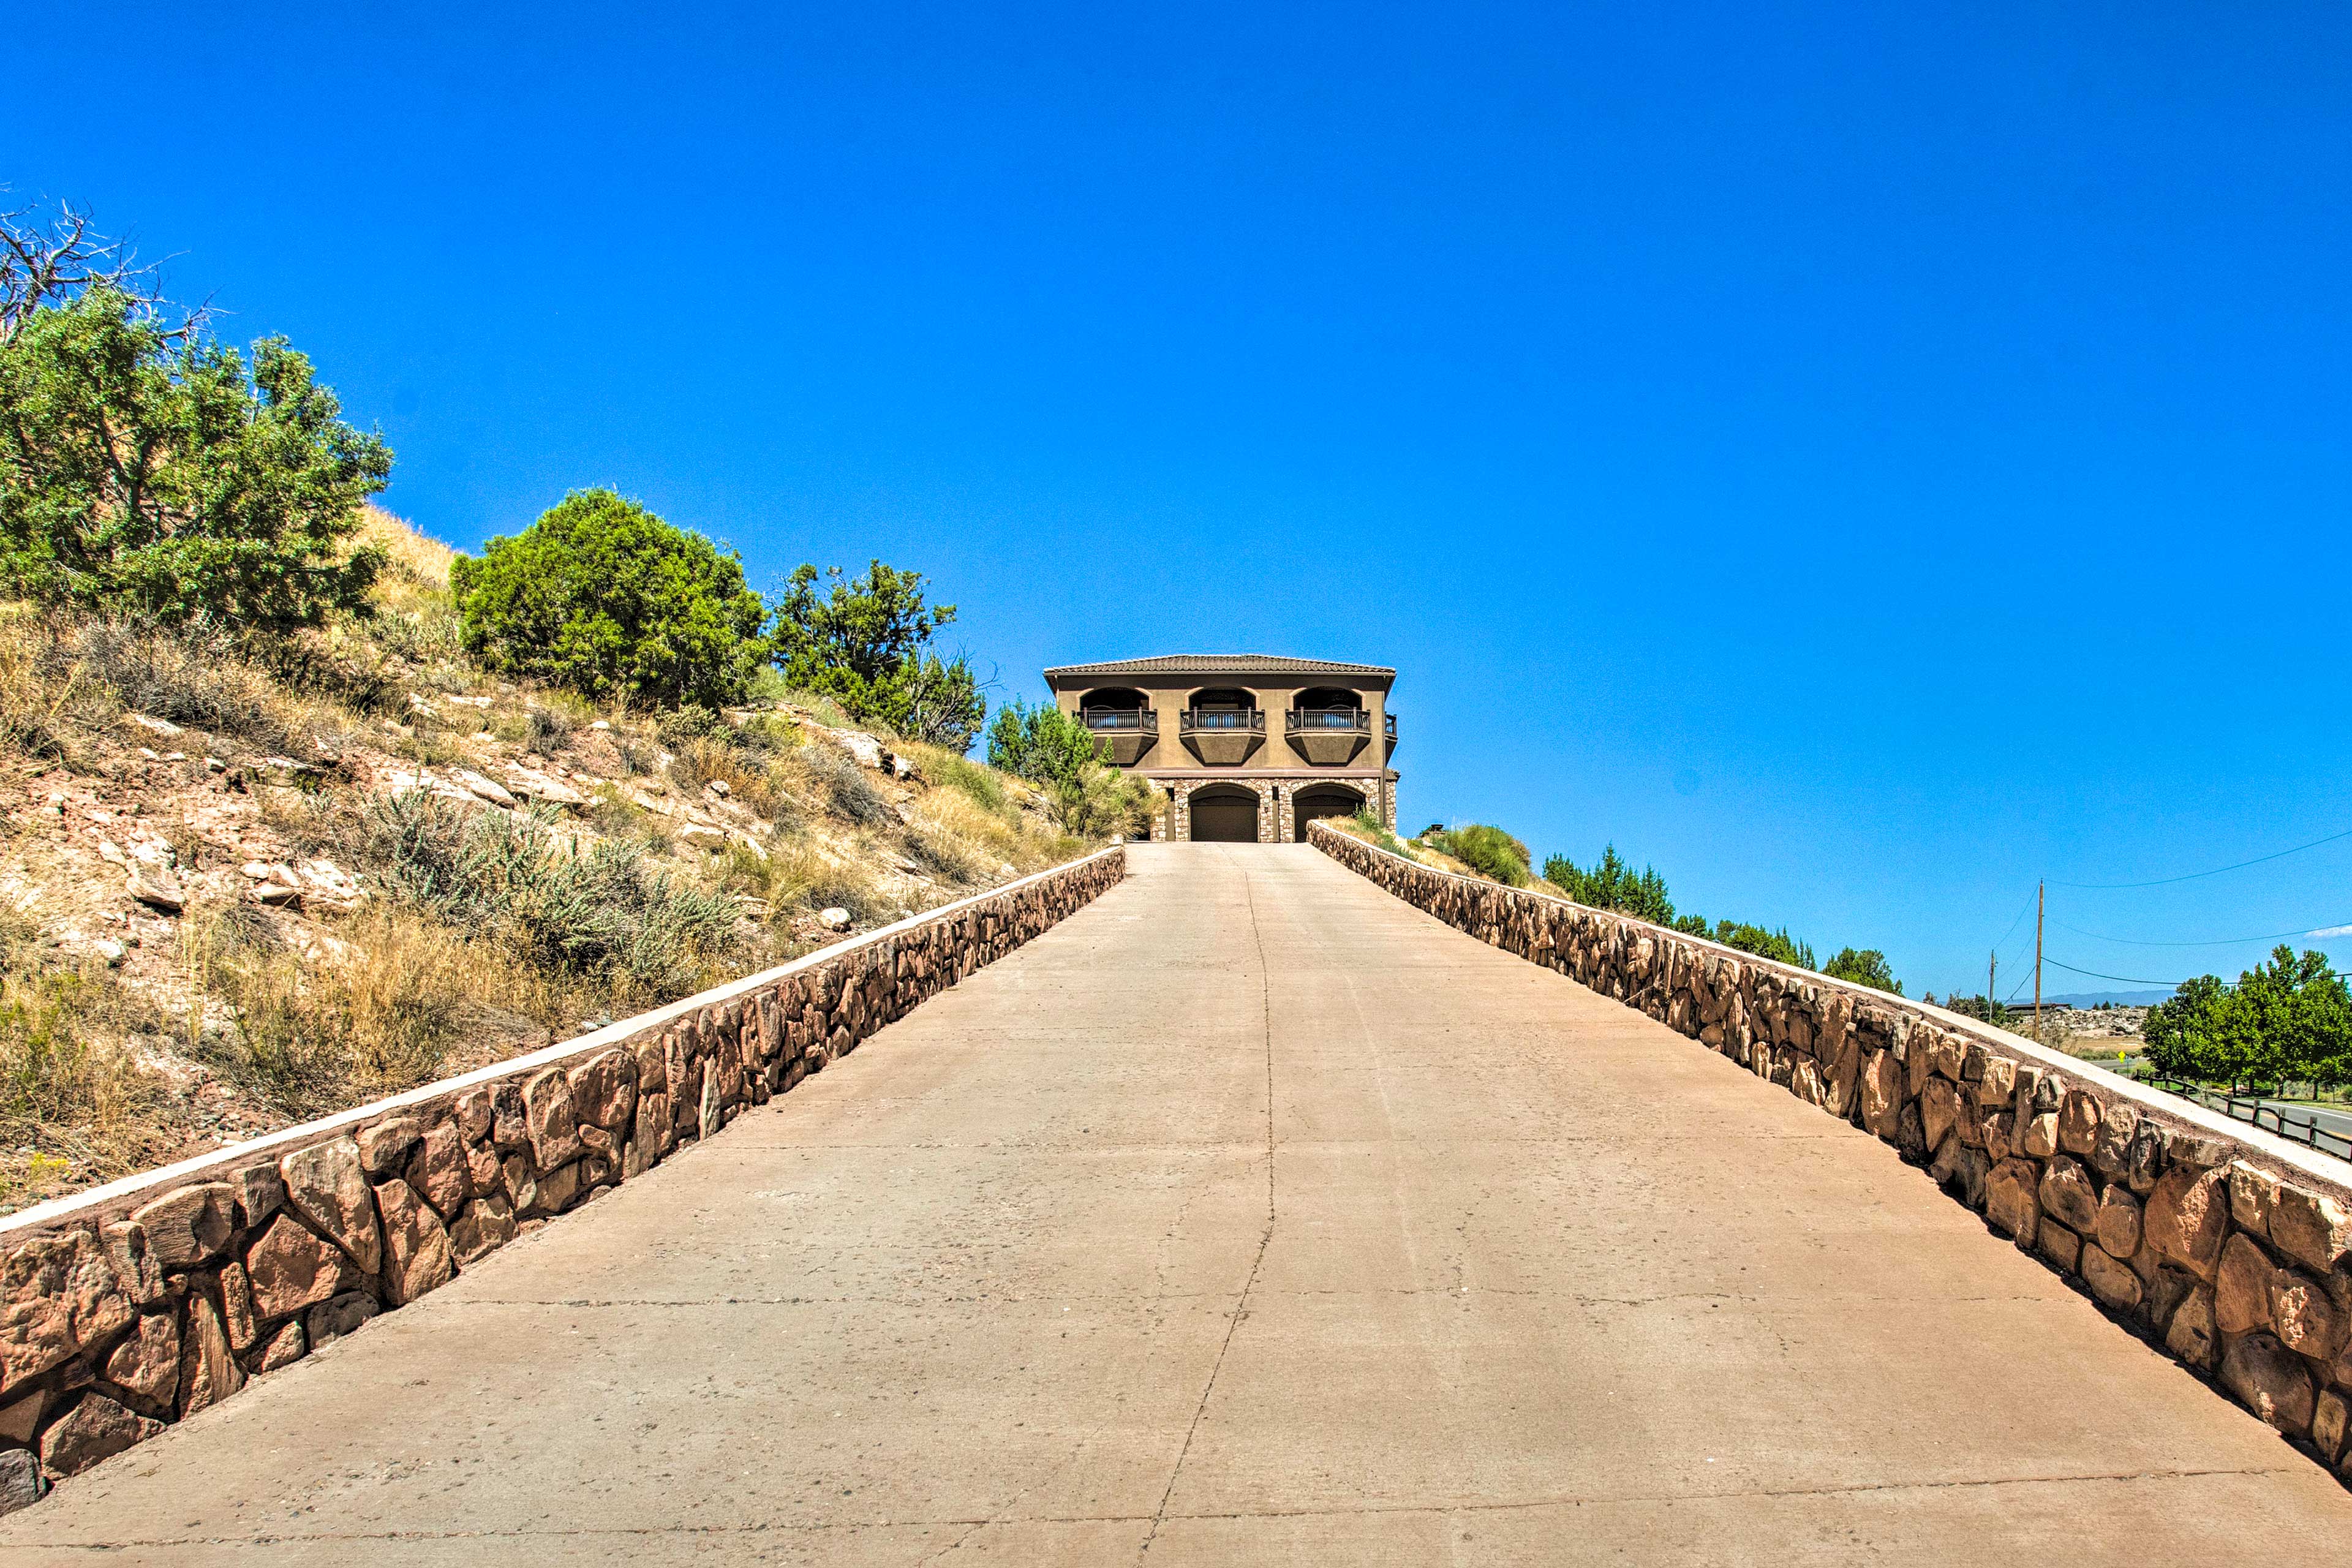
[(2229, 1248), (144, 1302)]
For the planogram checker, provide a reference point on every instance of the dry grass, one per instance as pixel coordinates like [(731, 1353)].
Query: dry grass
[(749, 777), (382, 1006), (73, 1097)]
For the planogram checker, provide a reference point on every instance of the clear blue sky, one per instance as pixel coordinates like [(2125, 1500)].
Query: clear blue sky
[(1858, 459)]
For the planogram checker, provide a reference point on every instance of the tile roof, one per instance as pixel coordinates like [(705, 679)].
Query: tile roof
[(1220, 664)]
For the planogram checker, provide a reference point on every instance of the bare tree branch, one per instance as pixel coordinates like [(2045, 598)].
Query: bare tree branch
[(52, 256)]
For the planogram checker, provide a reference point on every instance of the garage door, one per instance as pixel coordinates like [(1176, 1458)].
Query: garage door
[(1224, 819)]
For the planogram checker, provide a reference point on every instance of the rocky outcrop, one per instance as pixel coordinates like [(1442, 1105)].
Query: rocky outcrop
[(142, 1303), (2230, 1253)]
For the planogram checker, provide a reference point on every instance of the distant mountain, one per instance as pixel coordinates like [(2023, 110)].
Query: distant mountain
[(2093, 998)]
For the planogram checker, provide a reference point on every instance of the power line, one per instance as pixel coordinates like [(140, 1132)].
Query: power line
[(2014, 924), (2167, 881), (2226, 941), (2126, 979)]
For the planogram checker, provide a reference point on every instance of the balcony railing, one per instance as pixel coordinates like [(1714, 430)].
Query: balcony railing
[(1219, 721), (1302, 719), (1143, 721)]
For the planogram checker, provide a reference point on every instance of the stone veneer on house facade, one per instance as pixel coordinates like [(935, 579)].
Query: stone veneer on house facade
[(2228, 1247), (144, 1301)]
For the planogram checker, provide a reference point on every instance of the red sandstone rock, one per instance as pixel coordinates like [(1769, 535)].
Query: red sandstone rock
[(238, 1313), (325, 1184), (188, 1225), (334, 1319), (474, 1118), (553, 1121), (287, 1346), (59, 1295), (484, 1173), (384, 1145), (486, 1224), (208, 1374), (97, 1428), (134, 1263), (147, 1361), (290, 1269), (438, 1168), (416, 1248), (604, 1089)]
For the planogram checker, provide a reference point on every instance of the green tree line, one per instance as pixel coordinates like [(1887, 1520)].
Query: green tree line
[(1612, 883), (2287, 1020)]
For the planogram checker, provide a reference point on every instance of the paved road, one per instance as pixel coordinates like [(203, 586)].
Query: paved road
[(1249, 1217)]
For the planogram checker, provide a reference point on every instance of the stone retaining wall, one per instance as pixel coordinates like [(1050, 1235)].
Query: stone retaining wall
[(2225, 1246), (144, 1301)]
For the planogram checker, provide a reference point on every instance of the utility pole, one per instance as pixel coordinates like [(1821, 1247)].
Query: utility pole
[(1992, 973), (2041, 896)]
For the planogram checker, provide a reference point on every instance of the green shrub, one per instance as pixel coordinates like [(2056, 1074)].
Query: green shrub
[(1102, 801), (160, 478), (603, 598), (866, 644), (599, 910), (983, 786), (1372, 827), (1611, 884), (1777, 945), (1487, 851), (1041, 744), (1864, 966)]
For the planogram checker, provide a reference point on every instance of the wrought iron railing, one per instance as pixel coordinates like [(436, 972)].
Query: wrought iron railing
[(1137, 719), (1248, 719), (2278, 1119), (1301, 719)]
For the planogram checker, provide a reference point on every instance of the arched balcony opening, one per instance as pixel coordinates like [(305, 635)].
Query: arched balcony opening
[(1223, 725), (1123, 722), (1329, 726)]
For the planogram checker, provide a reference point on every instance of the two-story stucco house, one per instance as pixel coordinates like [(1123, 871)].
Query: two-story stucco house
[(1249, 747)]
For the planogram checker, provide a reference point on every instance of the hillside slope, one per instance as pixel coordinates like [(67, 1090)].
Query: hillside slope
[(243, 883)]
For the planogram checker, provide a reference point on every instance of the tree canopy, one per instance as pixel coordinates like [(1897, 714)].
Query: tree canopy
[(152, 473), (1863, 966), (2289, 1018), (866, 643), (602, 596)]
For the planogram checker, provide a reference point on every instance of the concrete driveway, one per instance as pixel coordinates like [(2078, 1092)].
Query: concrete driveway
[(1249, 1217)]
